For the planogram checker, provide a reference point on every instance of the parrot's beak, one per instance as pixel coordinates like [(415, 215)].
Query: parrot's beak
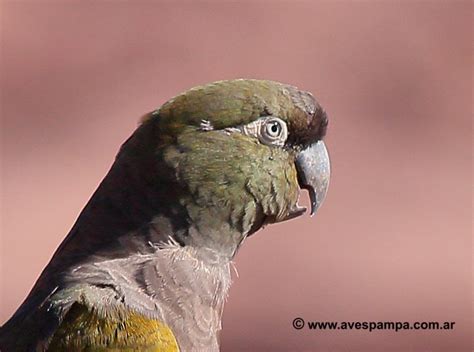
[(314, 172)]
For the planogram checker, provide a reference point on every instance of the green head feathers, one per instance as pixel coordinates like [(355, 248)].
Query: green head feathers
[(237, 102), (234, 172)]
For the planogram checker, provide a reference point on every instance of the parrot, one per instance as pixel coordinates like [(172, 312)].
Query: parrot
[(147, 264)]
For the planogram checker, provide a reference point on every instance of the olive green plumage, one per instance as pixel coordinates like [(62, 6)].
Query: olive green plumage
[(237, 102), (227, 188), (146, 267)]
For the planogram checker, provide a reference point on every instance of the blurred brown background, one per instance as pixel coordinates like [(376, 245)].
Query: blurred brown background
[(393, 240)]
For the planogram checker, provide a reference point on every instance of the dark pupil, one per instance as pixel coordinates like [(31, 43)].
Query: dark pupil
[(275, 128)]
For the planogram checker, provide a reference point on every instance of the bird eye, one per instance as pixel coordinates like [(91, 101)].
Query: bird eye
[(274, 132), (273, 128)]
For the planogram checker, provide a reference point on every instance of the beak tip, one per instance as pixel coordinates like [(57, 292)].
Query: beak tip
[(314, 200)]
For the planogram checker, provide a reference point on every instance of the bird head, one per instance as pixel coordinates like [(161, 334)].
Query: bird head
[(240, 151), (207, 169)]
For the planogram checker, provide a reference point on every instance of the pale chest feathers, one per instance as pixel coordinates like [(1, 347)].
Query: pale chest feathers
[(183, 287)]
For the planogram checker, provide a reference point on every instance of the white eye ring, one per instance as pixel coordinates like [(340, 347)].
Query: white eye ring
[(273, 131), (269, 130)]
